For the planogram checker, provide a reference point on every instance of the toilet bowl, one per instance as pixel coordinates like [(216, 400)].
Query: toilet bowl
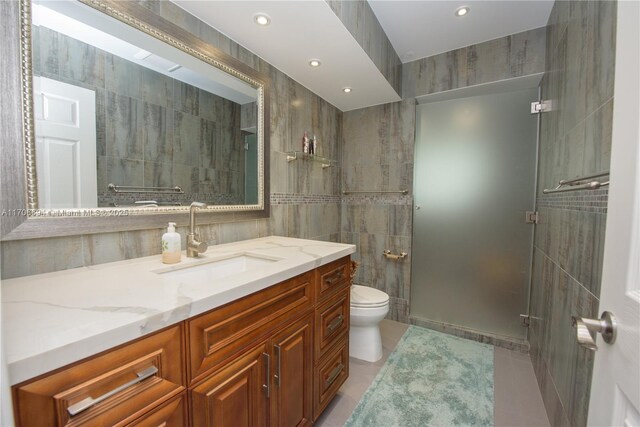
[(368, 307)]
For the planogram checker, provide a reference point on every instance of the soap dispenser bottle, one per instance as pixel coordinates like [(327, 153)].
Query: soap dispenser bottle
[(171, 245)]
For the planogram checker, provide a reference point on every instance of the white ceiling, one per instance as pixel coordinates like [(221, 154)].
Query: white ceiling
[(418, 29), (299, 31)]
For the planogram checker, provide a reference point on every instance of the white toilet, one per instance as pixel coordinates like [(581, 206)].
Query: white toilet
[(368, 307)]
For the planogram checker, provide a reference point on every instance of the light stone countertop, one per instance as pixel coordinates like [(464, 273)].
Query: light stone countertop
[(53, 319)]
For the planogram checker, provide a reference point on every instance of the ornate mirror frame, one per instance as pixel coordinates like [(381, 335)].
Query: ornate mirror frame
[(21, 218)]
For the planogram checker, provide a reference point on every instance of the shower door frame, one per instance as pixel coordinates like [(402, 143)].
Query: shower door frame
[(509, 85)]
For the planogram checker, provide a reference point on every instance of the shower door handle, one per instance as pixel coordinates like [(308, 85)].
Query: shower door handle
[(417, 207)]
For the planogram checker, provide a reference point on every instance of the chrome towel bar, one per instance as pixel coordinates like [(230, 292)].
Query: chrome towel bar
[(141, 189), (578, 184), (376, 191)]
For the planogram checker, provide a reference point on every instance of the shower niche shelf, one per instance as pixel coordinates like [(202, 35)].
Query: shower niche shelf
[(299, 155)]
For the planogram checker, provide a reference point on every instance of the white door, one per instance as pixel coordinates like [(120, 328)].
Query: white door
[(65, 117), (615, 390)]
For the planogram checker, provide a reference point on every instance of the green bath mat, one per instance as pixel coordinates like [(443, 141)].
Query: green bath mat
[(430, 379)]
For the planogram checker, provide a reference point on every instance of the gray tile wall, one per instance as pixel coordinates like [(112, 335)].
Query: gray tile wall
[(575, 140), (378, 155), (358, 17), (379, 144), (516, 55), (294, 109), (152, 130)]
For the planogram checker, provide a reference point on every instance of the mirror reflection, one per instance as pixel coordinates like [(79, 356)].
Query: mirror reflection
[(123, 119)]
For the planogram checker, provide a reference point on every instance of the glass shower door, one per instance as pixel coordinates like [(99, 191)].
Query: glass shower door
[(475, 169)]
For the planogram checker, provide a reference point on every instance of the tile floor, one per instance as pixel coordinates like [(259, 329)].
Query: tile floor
[(517, 399)]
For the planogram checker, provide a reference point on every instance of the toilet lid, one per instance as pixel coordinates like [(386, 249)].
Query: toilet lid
[(364, 296)]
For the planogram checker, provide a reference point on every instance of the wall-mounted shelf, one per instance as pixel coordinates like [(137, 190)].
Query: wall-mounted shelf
[(299, 155)]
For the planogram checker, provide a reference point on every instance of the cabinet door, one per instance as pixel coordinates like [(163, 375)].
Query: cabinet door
[(236, 395), (291, 399)]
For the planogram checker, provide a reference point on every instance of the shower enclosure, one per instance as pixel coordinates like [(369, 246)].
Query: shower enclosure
[(475, 177)]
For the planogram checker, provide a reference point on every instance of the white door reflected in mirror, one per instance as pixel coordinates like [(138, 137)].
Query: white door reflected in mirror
[(65, 120)]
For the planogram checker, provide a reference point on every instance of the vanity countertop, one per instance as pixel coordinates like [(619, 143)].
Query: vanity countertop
[(53, 319)]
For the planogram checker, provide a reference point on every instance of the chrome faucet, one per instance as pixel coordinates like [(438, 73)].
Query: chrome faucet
[(194, 247)]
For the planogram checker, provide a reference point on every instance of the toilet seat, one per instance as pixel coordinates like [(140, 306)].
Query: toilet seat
[(366, 297)]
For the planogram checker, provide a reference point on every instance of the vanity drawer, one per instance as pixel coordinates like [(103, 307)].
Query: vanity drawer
[(125, 384), (170, 414), (330, 374), (332, 320), (225, 331), (333, 277)]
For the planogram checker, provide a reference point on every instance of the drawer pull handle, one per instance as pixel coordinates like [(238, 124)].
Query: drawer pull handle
[(277, 374), (87, 403), (267, 385), (334, 374), (335, 278), (335, 323)]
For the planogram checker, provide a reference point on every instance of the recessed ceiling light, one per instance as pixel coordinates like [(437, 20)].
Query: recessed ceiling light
[(462, 11), (314, 62), (346, 89), (262, 19)]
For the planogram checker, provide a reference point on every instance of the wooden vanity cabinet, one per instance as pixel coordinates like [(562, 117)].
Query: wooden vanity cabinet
[(292, 379), (236, 383), (273, 358), (235, 395), (269, 384), (331, 341), (152, 367)]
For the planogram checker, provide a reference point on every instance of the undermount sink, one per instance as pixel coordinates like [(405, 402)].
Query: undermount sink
[(217, 269)]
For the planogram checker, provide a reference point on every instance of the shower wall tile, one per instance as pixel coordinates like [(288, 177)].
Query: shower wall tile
[(293, 108), (378, 147), (358, 17), (601, 48), (575, 140), (378, 155), (598, 127), (516, 55)]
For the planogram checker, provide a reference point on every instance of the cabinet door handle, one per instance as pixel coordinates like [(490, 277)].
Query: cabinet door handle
[(334, 374), (87, 403), (335, 323), (267, 385), (277, 374), (334, 278)]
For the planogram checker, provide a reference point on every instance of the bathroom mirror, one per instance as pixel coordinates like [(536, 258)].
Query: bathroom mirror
[(127, 114)]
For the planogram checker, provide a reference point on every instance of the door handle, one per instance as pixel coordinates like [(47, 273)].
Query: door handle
[(267, 385), (606, 326), (87, 403), (278, 356), (335, 323)]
